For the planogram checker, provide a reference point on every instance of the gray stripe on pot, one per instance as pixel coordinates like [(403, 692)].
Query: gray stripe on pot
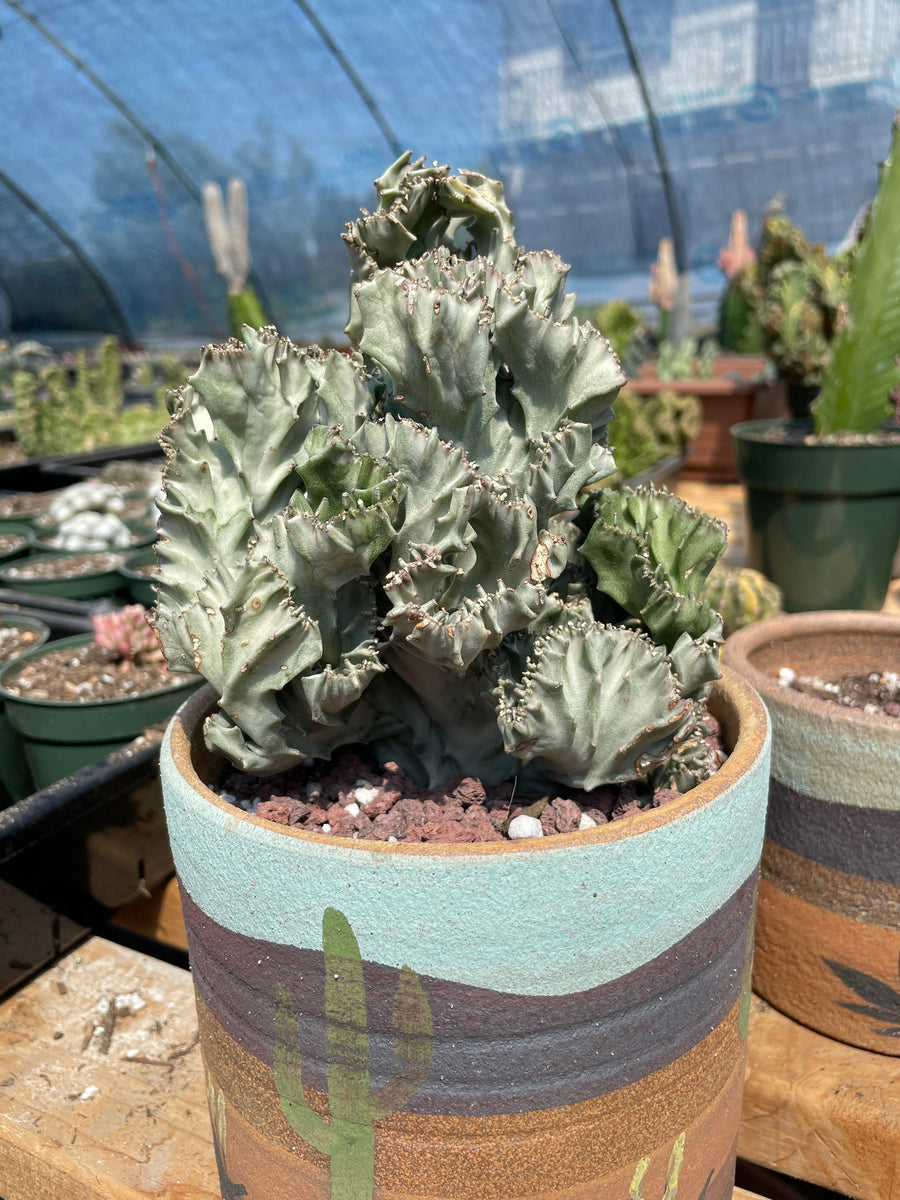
[(859, 841), (493, 1052), (870, 901)]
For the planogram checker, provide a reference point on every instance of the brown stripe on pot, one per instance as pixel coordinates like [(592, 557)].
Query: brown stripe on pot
[(491, 1051), (852, 896), (860, 841), (268, 1171), (583, 1150), (834, 974)]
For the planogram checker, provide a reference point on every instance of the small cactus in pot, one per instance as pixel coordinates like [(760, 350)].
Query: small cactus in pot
[(401, 547)]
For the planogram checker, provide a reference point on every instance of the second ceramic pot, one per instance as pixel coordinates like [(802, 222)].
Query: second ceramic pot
[(828, 924)]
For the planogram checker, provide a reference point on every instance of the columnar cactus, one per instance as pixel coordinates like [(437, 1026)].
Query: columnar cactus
[(226, 228), (380, 547)]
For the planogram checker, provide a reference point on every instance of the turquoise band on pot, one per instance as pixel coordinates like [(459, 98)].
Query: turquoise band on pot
[(417, 905), (836, 760)]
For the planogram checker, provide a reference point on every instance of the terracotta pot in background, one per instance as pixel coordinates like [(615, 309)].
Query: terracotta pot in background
[(736, 392), (559, 1018), (828, 925)]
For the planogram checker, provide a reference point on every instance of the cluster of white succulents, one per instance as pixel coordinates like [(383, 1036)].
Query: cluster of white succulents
[(87, 517)]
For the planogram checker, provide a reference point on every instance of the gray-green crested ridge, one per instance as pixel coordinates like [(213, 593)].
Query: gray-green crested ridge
[(399, 547)]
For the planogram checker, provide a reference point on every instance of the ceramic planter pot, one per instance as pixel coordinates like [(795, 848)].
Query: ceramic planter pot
[(559, 1018), (823, 521), (737, 392), (60, 738), (15, 540), (828, 930), (15, 776)]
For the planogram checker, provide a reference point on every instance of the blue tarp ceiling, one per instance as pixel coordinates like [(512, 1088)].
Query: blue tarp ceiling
[(113, 115)]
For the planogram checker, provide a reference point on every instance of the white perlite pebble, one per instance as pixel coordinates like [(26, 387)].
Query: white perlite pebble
[(587, 822), (352, 809), (365, 794), (326, 828), (786, 676), (524, 826)]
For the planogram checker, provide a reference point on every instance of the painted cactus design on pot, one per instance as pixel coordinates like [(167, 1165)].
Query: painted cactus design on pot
[(676, 1158), (348, 1137), (882, 1000), (227, 1186)]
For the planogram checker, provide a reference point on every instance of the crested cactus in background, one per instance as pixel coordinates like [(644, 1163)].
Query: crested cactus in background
[(380, 547), (741, 596), (647, 429), (798, 295)]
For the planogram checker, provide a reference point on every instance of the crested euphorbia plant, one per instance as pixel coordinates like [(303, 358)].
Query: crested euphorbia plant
[(398, 547)]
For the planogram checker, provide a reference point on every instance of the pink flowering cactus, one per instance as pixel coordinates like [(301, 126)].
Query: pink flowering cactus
[(127, 635), (738, 253), (663, 277)]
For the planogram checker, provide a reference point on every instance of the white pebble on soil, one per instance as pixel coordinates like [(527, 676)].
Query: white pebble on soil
[(326, 828), (352, 808), (365, 794), (524, 826), (587, 822), (786, 676)]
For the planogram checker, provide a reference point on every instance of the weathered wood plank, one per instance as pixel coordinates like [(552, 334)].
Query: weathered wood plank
[(819, 1110), (102, 1095)]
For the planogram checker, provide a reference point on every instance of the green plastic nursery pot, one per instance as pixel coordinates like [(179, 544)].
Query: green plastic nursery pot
[(60, 738), (105, 581), (15, 776), (823, 521), (563, 1017), (828, 926), (139, 586), (15, 540)]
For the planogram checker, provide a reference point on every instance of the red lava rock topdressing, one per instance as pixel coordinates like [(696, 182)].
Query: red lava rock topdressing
[(874, 693), (14, 640), (355, 799), (87, 673), (65, 566)]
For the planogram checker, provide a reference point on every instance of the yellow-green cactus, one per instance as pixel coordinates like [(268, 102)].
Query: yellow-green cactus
[(741, 596)]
